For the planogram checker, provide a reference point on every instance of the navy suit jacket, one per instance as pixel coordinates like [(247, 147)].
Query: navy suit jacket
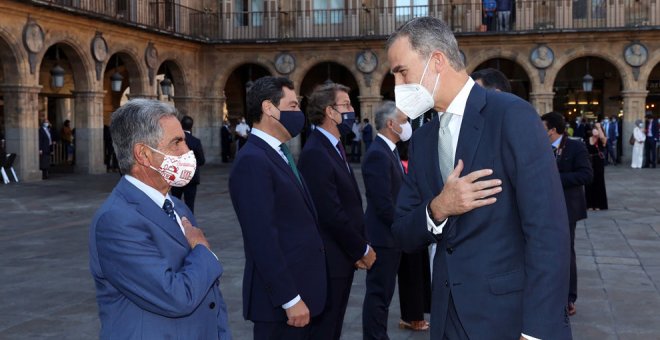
[(506, 265), (284, 254), (149, 283), (575, 172), (338, 201), (382, 174), (195, 145)]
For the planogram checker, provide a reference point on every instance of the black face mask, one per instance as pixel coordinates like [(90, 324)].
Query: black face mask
[(293, 121), (346, 125)]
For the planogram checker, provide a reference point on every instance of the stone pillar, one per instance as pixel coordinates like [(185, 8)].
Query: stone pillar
[(207, 126), (368, 106), (634, 106), (89, 132), (21, 129), (542, 101)]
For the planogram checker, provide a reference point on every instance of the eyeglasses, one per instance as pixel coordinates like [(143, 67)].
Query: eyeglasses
[(348, 106)]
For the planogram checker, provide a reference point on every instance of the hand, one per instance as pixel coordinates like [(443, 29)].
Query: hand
[(298, 315), (463, 194), (367, 260), (194, 235)]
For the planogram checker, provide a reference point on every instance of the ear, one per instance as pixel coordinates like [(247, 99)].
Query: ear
[(329, 111), (438, 60), (266, 107), (142, 154)]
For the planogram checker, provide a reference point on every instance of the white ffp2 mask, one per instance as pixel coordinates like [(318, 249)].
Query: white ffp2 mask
[(415, 99)]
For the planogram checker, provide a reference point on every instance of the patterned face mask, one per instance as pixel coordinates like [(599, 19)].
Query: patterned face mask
[(177, 170)]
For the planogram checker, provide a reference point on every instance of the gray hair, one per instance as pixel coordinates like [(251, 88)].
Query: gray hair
[(138, 121), (428, 34), (387, 111)]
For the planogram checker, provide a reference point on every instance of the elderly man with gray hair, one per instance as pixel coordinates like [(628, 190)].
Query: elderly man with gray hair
[(155, 275), (382, 172)]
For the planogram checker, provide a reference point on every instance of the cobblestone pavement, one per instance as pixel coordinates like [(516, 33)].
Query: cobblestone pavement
[(47, 291)]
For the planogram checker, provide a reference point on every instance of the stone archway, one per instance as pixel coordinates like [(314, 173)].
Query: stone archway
[(387, 87), (238, 82), (652, 105), (515, 73)]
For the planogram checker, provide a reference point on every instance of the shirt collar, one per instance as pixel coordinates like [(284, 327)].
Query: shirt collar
[(329, 136), (152, 193), (270, 140), (457, 105), (557, 142), (388, 141)]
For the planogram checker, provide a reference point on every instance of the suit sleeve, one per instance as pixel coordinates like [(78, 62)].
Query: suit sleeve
[(319, 176), (540, 201), (377, 175), (409, 226), (260, 236), (582, 173), (132, 262)]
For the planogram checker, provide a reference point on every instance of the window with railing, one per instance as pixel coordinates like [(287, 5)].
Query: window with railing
[(407, 9), (328, 11), (249, 12)]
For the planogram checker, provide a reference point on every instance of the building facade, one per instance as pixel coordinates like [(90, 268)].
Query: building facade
[(211, 50)]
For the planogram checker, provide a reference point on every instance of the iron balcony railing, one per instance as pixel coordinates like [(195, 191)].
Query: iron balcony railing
[(365, 22)]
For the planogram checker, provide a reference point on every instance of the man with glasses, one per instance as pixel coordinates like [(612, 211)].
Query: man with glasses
[(338, 201)]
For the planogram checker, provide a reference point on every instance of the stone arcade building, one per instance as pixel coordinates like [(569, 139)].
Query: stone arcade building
[(210, 51)]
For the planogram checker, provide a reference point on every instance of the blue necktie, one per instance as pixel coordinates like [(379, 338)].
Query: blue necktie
[(169, 209)]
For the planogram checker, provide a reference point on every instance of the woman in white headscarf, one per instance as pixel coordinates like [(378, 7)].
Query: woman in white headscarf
[(638, 148)]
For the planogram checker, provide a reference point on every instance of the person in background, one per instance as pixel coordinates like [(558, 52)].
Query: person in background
[(595, 191), (225, 141), (638, 147), (45, 148), (569, 130), (504, 15), (652, 134), (67, 139), (189, 191), (382, 172), (575, 172), (492, 79), (242, 132), (356, 142), (367, 134)]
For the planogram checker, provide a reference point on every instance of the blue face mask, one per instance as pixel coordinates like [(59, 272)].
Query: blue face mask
[(293, 121), (346, 125)]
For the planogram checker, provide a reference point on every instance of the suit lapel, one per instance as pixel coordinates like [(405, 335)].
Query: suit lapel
[(386, 148), (433, 174), (284, 167), (147, 208), (332, 150), (471, 128)]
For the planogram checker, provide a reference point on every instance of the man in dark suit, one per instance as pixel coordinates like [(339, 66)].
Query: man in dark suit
[(155, 275), (483, 185), (189, 191), (284, 283), (367, 133), (337, 198), (382, 172), (225, 141), (45, 148), (652, 135), (492, 79), (575, 172)]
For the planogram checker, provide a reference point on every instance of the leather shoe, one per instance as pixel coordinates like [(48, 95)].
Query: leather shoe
[(419, 325), (571, 309)]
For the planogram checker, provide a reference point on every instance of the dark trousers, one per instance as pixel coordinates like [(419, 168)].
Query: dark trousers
[(610, 152), (649, 152), (453, 328), (331, 320), (381, 280), (188, 192), (225, 152), (572, 284), (280, 330), (414, 285), (356, 150)]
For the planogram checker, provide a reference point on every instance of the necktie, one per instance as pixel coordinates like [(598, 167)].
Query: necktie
[(343, 154), (445, 150), (169, 209), (398, 158), (554, 150), (289, 158)]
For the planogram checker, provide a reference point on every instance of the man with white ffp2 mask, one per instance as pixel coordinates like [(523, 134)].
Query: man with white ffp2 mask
[(483, 185)]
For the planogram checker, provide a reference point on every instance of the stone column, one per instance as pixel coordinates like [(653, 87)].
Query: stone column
[(89, 132), (634, 106), (368, 106), (542, 101), (207, 126), (21, 129)]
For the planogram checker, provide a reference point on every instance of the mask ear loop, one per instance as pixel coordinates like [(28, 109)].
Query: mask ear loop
[(425, 68)]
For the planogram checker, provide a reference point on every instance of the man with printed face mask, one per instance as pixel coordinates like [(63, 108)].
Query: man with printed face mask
[(382, 172), (155, 275), (284, 283), (337, 198), (483, 185)]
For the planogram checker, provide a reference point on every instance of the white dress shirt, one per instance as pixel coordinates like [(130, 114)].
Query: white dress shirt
[(457, 109), (275, 144), (388, 141), (155, 196)]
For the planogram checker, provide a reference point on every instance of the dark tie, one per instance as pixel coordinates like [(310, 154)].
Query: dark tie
[(398, 158), (289, 158), (343, 155), (554, 150), (169, 209)]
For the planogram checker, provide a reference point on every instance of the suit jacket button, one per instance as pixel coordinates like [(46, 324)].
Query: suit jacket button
[(450, 250), (446, 283), (212, 305)]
